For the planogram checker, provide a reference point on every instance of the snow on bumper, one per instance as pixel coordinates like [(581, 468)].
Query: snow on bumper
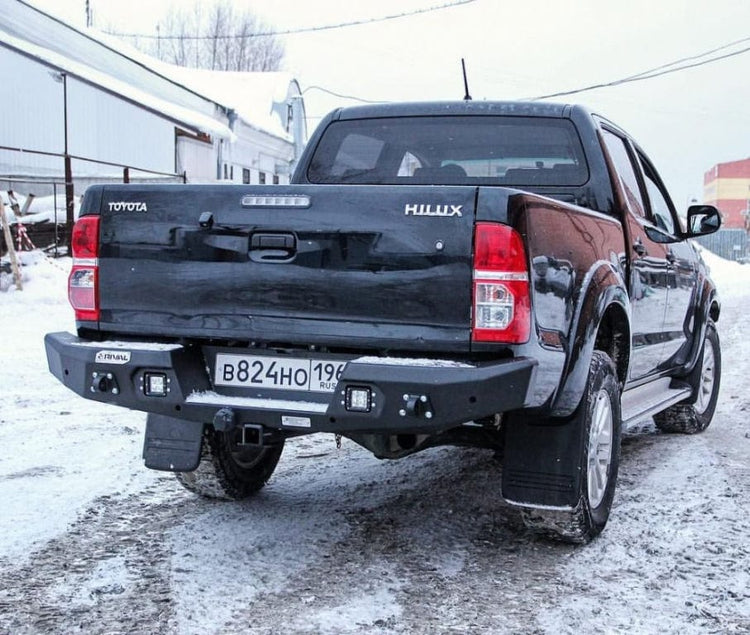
[(173, 380)]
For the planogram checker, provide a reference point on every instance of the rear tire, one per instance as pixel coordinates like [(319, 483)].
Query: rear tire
[(228, 470), (695, 414), (600, 417)]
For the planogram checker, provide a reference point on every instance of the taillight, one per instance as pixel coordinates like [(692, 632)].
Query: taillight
[(83, 282), (502, 309)]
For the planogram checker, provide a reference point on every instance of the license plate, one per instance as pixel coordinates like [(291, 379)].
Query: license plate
[(279, 373)]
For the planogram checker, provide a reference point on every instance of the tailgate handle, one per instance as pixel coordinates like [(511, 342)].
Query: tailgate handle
[(272, 247)]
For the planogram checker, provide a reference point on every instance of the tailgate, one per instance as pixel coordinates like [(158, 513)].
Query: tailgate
[(360, 266)]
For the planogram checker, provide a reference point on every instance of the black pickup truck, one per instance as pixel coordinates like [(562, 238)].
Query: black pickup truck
[(504, 275)]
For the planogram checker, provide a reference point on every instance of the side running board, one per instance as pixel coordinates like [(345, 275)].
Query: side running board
[(644, 401)]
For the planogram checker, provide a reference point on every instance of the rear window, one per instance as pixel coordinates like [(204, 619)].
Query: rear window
[(521, 151)]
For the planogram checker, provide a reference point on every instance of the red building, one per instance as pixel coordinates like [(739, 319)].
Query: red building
[(727, 186)]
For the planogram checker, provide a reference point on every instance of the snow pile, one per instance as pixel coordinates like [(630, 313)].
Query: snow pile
[(731, 278), (45, 283), (59, 457), (42, 208)]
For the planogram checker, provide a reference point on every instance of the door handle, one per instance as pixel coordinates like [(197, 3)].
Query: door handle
[(638, 247)]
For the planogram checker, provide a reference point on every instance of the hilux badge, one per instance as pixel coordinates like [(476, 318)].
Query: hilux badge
[(421, 209)]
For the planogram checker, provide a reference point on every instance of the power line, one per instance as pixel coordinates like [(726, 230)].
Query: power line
[(335, 94), (686, 66), (309, 29), (664, 69), (692, 57)]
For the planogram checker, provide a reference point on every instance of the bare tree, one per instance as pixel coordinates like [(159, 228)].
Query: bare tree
[(217, 37), (176, 46)]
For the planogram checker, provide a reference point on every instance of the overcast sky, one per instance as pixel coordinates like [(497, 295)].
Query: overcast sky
[(686, 121)]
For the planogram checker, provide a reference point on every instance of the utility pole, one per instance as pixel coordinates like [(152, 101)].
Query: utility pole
[(62, 77), (69, 192)]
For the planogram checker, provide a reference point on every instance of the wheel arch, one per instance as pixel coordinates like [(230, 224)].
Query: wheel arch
[(613, 337), (602, 322), (707, 309)]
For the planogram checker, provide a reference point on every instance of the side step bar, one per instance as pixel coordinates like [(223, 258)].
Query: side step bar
[(644, 401)]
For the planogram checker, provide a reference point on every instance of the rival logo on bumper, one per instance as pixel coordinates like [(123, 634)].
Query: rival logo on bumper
[(127, 206), (112, 357), (421, 209)]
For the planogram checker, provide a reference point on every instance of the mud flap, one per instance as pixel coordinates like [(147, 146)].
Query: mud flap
[(172, 444), (542, 464)]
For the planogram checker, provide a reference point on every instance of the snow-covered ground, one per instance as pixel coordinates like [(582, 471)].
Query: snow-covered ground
[(338, 542)]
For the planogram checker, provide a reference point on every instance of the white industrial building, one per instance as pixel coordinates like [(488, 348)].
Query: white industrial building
[(120, 114)]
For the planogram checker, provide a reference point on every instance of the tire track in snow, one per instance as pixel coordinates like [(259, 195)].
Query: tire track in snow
[(329, 536), (109, 573), (439, 553)]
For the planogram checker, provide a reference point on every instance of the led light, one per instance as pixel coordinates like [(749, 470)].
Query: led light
[(83, 282), (82, 288), (275, 201), (502, 304), (358, 399), (494, 306), (155, 385)]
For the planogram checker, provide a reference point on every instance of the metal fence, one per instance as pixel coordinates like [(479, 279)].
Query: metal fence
[(54, 236), (731, 244)]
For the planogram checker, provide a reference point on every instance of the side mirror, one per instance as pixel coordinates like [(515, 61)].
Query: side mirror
[(702, 220), (659, 236)]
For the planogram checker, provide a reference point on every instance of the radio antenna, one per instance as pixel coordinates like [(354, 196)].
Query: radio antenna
[(467, 97)]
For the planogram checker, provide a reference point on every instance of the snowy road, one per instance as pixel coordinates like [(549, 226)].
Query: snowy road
[(339, 542)]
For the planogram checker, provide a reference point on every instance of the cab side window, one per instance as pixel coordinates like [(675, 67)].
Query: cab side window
[(661, 210), (623, 164)]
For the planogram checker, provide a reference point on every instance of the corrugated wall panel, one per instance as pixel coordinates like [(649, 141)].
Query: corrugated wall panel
[(18, 165), (111, 129), (197, 159), (101, 126), (31, 115)]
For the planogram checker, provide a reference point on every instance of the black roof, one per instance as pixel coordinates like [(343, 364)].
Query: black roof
[(432, 108)]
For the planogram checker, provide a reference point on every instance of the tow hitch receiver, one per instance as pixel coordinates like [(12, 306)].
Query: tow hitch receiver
[(252, 434)]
